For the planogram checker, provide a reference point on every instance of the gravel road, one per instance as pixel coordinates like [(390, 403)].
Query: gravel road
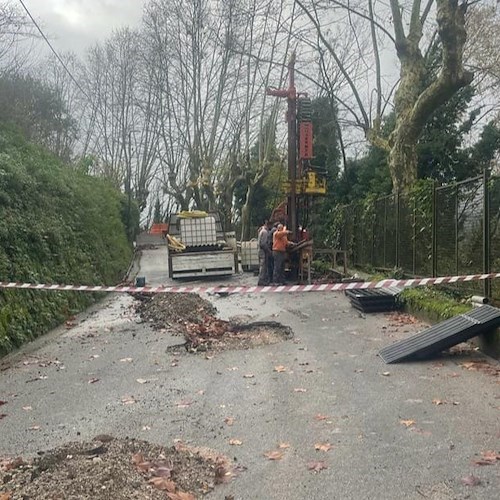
[(393, 431)]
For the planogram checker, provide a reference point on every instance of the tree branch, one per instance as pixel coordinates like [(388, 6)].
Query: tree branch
[(366, 120)]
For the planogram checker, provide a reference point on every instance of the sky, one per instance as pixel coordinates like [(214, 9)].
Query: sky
[(75, 25)]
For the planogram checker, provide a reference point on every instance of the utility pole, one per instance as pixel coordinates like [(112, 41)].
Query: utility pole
[(291, 117)]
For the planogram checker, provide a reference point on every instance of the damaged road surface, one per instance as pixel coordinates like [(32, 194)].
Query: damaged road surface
[(276, 396)]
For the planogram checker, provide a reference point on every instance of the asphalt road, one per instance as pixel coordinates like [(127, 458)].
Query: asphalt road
[(347, 397)]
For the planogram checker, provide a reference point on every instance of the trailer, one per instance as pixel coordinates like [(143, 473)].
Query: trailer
[(198, 247)]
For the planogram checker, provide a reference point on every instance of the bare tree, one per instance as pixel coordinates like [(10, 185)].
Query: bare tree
[(16, 33), (123, 117), (482, 54), (418, 93)]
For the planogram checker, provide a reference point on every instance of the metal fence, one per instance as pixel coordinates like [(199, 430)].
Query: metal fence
[(432, 231)]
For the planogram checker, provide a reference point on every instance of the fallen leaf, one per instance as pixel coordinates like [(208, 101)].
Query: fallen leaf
[(161, 470), (12, 463), (320, 417), (322, 446), (126, 360), (470, 365), (184, 404), (274, 455), (248, 375), (229, 420), (5, 496), (317, 466), (235, 442), (488, 458), (438, 402), (280, 368), (407, 423), (128, 400), (164, 484), (93, 381), (299, 389), (284, 446), (470, 480), (180, 495)]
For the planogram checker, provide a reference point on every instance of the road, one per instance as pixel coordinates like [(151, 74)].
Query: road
[(396, 431)]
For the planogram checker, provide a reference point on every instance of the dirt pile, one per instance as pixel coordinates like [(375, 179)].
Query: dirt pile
[(169, 309), (194, 317), (114, 469)]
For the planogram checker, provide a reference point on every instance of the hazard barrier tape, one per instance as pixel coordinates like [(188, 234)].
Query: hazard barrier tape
[(324, 287)]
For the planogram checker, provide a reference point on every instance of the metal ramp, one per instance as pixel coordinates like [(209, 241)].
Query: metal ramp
[(443, 335), (374, 299)]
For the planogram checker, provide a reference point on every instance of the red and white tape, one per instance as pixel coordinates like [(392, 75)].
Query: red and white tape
[(325, 287)]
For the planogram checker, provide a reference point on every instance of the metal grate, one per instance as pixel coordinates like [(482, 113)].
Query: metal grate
[(443, 335), (374, 300)]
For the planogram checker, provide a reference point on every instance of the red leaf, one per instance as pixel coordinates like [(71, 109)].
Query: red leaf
[(470, 480), (488, 458), (10, 464), (161, 483), (320, 417), (317, 466)]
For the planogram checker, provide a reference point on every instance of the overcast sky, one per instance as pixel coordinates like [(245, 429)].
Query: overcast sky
[(76, 24)]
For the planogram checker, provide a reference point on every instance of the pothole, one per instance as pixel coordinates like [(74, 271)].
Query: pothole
[(190, 315)]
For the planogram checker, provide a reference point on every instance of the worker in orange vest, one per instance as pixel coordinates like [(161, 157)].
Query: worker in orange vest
[(280, 242)]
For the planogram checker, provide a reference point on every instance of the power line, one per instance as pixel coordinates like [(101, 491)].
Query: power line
[(75, 81)]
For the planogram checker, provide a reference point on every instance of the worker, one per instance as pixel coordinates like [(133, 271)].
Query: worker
[(270, 260), (280, 242), (264, 253)]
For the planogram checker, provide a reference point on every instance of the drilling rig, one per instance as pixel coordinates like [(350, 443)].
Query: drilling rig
[(304, 181)]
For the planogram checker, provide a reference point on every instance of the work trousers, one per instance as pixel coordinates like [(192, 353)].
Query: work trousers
[(263, 270), (270, 266), (279, 267)]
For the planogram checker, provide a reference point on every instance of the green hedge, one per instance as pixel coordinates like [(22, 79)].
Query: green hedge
[(57, 225)]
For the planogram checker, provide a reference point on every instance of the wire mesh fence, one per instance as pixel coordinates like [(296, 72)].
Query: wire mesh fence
[(431, 231)]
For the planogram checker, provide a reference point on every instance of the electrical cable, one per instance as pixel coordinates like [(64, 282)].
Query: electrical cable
[(75, 81)]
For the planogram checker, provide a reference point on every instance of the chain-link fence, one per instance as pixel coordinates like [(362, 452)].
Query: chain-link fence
[(432, 231)]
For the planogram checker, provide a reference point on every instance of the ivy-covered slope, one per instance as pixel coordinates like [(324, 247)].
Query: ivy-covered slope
[(57, 225)]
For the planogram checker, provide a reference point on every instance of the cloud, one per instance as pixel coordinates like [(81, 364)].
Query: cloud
[(77, 24)]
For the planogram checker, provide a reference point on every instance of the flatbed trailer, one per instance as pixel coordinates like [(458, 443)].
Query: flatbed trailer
[(201, 264), (206, 251)]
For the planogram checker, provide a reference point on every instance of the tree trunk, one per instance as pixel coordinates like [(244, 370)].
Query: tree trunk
[(404, 138), (245, 214), (416, 98)]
